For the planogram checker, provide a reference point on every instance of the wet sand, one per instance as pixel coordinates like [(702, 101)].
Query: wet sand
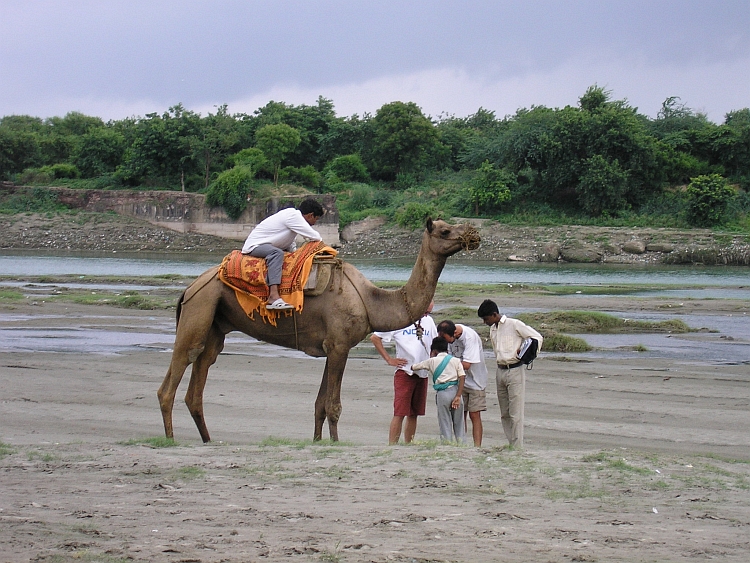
[(644, 459)]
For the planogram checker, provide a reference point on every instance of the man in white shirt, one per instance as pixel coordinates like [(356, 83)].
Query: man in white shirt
[(410, 387), (466, 345), (507, 335), (276, 234)]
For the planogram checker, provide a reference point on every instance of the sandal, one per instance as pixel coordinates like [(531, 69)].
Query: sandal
[(279, 305)]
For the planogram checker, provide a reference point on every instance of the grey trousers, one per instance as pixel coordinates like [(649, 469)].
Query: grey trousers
[(274, 261), (511, 391), (450, 421)]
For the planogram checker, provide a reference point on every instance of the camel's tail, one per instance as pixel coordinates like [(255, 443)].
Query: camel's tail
[(194, 288), (179, 310)]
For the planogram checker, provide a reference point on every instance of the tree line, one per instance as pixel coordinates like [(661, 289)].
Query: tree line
[(598, 159)]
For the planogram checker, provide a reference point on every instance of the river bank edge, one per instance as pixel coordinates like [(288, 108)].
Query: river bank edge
[(373, 238)]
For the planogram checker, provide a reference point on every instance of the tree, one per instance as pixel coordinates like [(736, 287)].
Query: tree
[(99, 152), (708, 199), (402, 138), (276, 141)]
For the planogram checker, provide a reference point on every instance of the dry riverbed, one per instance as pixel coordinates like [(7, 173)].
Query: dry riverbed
[(637, 460)]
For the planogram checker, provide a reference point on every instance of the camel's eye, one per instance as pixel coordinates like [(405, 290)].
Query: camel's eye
[(445, 232)]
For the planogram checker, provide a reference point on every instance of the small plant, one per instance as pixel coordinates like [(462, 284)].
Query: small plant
[(191, 472), (6, 449), (155, 442)]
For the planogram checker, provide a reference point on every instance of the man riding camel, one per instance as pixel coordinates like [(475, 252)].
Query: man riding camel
[(276, 234)]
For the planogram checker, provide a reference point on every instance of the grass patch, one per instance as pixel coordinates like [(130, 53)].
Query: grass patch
[(6, 449), (41, 456), (129, 300), (190, 472), (592, 322), (276, 441), (85, 556), (155, 442), (10, 295), (554, 342)]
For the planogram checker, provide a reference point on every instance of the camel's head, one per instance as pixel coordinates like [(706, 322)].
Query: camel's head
[(446, 239)]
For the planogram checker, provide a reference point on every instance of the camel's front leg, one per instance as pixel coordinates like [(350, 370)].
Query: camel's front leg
[(328, 403)]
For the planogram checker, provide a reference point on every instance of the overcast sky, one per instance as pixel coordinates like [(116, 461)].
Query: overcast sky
[(121, 58)]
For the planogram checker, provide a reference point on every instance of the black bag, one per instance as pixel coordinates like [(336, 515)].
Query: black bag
[(528, 351)]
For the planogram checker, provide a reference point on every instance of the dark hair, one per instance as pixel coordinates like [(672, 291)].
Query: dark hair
[(447, 327), (439, 344), (487, 308), (311, 206)]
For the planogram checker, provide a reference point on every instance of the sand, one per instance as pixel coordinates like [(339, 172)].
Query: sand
[(637, 460)]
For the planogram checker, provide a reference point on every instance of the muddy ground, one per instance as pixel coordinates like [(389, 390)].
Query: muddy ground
[(636, 460)]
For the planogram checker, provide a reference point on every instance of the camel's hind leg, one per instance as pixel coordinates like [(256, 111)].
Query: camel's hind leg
[(328, 402), (188, 346), (194, 396)]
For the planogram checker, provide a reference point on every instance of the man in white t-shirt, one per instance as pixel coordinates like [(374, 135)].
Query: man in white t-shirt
[(276, 234), (466, 344), (410, 388)]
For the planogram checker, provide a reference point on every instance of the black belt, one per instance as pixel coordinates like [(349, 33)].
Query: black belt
[(510, 366)]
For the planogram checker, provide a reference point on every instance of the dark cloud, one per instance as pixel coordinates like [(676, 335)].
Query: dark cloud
[(208, 52)]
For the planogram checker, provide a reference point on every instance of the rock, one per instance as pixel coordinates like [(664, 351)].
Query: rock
[(634, 246), (550, 253), (357, 228), (581, 254), (659, 247)]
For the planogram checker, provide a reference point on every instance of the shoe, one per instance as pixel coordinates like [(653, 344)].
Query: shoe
[(279, 305)]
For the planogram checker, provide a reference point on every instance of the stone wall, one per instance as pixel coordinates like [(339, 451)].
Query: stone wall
[(188, 212)]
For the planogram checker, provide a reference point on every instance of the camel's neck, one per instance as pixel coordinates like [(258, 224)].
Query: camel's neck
[(395, 309)]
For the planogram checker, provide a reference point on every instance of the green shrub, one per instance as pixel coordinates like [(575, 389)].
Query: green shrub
[(307, 176), (708, 199), (347, 168), (36, 200), (230, 190), (61, 170), (361, 198), (414, 214)]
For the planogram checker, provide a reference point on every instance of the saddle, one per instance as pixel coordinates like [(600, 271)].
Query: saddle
[(247, 276)]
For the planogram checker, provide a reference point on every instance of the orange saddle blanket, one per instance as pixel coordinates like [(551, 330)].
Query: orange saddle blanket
[(247, 276)]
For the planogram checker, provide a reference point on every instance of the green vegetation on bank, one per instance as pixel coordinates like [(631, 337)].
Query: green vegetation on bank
[(598, 162)]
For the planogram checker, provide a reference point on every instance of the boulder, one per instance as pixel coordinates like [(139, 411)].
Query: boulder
[(634, 246), (581, 254), (550, 252), (659, 247)]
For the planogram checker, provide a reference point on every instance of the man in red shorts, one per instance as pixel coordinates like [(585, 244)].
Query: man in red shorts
[(410, 388)]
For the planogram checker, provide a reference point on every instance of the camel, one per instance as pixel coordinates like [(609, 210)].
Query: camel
[(329, 326)]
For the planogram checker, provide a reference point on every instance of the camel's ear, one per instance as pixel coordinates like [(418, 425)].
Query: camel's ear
[(430, 226)]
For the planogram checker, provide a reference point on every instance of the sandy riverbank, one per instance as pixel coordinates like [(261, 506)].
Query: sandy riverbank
[(623, 462)]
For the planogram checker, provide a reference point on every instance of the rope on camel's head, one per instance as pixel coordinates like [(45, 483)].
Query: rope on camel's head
[(469, 238)]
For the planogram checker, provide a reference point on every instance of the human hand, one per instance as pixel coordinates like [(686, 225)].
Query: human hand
[(397, 362), (456, 402)]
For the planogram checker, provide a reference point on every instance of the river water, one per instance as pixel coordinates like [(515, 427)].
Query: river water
[(388, 270), (730, 344)]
